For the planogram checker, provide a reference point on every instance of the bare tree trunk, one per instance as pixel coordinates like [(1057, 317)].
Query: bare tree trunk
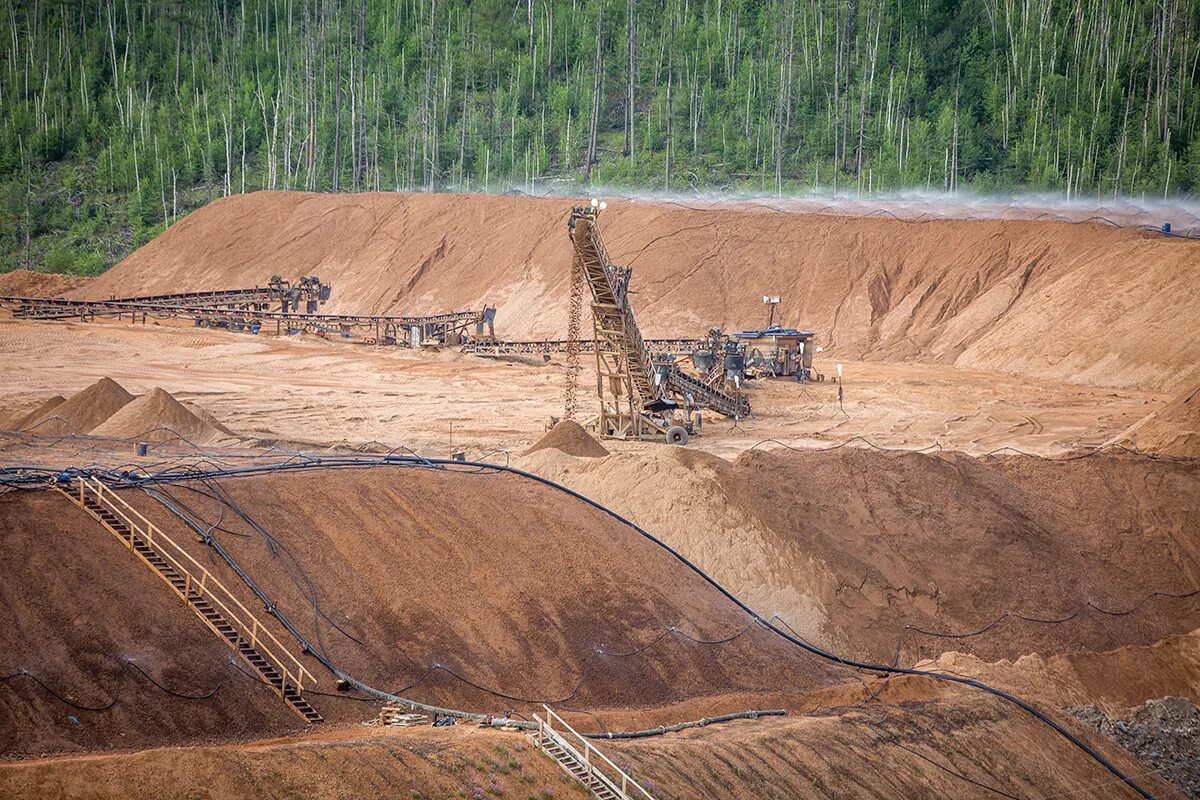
[(337, 105), (631, 49), (597, 85)]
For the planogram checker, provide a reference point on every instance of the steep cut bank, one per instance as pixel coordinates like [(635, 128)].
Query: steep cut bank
[(870, 551), (1080, 302)]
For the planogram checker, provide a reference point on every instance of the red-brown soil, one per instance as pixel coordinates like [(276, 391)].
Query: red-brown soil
[(422, 764), (78, 605), (1080, 302), (27, 283), (569, 437), (442, 579)]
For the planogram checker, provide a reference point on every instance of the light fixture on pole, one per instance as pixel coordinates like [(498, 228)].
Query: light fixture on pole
[(770, 301)]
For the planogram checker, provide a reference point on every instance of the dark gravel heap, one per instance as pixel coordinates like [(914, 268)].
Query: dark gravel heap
[(1164, 734)]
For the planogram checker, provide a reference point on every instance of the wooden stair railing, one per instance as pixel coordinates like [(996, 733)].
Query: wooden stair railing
[(216, 606), (580, 759)]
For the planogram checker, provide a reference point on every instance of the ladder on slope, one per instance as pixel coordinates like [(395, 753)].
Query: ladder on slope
[(203, 593), (580, 759)]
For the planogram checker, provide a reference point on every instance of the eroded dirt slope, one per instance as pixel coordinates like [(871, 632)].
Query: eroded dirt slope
[(491, 592), (866, 550), (1083, 302)]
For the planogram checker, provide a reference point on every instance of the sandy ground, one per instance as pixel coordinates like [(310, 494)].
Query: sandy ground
[(1068, 582), (308, 390)]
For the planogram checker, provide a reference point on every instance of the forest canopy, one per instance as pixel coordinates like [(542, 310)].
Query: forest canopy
[(119, 116)]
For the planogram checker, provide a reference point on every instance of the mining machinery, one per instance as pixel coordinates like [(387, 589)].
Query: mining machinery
[(640, 397)]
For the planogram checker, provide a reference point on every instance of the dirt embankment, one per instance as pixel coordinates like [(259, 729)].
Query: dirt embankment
[(93, 624), (27, 283), (422, 764), (474, 591), (867, 551), (491, 592), (964, 748), (1080, 302)]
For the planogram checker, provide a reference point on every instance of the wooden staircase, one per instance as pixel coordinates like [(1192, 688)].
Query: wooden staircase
[(223, 613), (580, 759)]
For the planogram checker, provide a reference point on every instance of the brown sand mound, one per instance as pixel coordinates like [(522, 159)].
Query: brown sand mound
[(83, 411), (1173, 430), (27, 283), (860, 549), (1080, 302), (156, 417), (570, 437), (16, 420)]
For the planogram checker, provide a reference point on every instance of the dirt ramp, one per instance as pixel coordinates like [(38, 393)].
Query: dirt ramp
[(570, 437), (84, 410), (1173, 430), (157, 417), (1081, 302)]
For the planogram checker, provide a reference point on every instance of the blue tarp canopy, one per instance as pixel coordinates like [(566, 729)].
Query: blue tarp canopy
[(774, 330)]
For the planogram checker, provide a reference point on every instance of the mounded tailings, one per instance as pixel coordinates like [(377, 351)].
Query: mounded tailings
[(1082, 302), (570, 437), (84, 410), (157, 417)]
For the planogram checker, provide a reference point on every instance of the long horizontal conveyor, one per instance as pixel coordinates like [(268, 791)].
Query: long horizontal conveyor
[(683, 346), (37, 307)]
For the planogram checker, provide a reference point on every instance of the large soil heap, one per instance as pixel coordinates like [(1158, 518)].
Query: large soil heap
[(1081, 302), (476, 591), (869, 552)]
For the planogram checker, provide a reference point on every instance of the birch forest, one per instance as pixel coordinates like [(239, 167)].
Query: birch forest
[(120, 116)]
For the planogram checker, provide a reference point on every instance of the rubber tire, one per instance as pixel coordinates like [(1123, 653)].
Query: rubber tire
[(677, 435)]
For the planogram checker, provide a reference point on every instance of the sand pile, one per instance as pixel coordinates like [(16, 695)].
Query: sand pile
[(16, 419), (854, 546), (27, 283), (157, 417), (1069, 301), (1173, 430), (570, 437), (83, 411)]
